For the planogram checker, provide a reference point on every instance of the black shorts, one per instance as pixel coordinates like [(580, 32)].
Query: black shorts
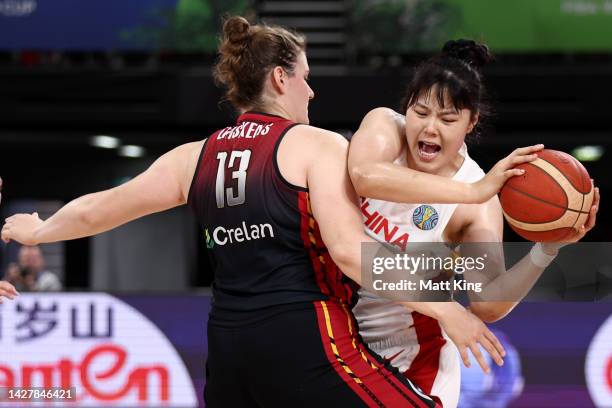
[(300, 355)]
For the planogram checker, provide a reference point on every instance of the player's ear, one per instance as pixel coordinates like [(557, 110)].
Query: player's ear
[(473, 122), (279, 79)]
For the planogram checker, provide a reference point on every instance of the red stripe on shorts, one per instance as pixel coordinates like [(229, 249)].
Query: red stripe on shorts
[(369, 378), (425, 366)]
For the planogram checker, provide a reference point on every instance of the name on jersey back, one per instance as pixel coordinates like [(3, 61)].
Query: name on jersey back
[(245, 130)]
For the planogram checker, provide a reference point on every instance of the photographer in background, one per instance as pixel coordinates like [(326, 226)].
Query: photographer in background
[(17, 278), (29, 273)]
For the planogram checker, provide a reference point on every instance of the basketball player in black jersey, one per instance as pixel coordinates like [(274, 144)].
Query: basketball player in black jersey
[(282, 222)]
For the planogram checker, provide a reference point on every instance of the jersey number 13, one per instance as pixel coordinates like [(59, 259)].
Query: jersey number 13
[(232, 195)]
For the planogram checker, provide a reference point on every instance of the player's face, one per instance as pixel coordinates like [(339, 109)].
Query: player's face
[(299, 91), (435, 134)]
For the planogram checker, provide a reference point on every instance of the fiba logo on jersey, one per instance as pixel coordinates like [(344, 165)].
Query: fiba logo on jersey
[(425, 217)]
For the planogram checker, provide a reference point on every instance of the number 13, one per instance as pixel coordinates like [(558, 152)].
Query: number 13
[(221, 191)]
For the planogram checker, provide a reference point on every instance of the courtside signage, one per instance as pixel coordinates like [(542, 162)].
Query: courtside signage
[(97, 345), (598, 367)]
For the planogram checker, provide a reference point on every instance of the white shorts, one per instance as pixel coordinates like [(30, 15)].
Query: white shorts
[(434, 366)]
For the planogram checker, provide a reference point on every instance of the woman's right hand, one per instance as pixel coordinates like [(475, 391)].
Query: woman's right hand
[(494, 180), (467, 331)]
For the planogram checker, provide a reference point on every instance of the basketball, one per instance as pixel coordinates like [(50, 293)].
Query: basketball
[(550, 199)]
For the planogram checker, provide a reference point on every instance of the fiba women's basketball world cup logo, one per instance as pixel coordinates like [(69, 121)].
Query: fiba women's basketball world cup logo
[(425, 217)]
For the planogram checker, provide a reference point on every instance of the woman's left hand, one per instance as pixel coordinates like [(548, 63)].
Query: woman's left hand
[(21, 228), (553, 247)]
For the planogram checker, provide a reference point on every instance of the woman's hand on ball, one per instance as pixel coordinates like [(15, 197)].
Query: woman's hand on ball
[(494, 180), (581, 231)]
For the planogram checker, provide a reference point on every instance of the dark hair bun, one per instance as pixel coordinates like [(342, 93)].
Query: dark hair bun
[(474, 54), (236, 30)]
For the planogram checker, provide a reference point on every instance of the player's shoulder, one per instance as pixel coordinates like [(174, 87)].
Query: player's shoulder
[(382, 125), (383, 115), (317, 138), (186, 152), (183, 159), (380, 134), (189, 147)]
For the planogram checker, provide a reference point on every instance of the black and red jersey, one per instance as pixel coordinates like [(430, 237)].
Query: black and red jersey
[(264, 242)]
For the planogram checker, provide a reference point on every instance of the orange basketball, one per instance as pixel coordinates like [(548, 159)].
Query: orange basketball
[(552, 198)]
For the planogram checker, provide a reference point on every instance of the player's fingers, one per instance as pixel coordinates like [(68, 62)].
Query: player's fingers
[(6, 234), (493, 352), (528, 149), (590, 223), (578, 235), (464, 356), (480, 358), (596, 198), (496, 343), (7, 294), (592, 219), (513, 172), (516, 160), (12, 292), (9, 288)]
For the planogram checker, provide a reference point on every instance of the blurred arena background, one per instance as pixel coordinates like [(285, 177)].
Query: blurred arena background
[(92, 92)]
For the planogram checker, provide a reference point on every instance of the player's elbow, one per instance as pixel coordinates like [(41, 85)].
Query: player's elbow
[(346, 259), (488, 312), (363, 179)]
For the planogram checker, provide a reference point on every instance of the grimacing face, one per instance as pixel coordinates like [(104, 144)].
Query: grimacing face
[(300, 92), (436, 133)]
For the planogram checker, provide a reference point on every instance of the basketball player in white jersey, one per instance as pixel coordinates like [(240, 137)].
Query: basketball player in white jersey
[(388, 157)]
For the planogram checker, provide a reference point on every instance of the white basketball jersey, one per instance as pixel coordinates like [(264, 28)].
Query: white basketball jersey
[(413, 343)]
